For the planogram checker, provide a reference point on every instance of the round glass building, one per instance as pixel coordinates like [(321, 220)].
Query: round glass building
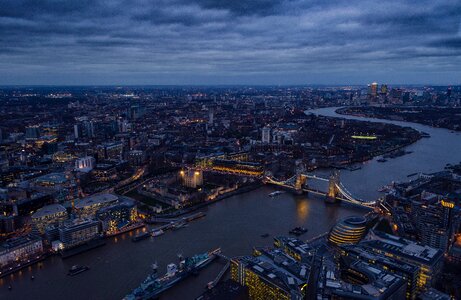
[(349, 230)]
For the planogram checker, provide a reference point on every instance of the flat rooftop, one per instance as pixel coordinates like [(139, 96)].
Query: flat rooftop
[(96, 199)]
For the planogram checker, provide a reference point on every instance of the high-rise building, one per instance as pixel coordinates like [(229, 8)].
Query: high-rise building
[(89, 128), (78, 132), (266, 135), (32, 132), (373, 89), (406, 97), (210, 116), (433, 222)]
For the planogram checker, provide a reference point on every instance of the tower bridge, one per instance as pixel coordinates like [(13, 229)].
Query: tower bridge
[(336, 190)]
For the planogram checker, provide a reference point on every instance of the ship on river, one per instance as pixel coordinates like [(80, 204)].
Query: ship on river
[(153, 285)]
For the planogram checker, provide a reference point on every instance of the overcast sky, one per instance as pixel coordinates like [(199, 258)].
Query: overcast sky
[(230, 42)]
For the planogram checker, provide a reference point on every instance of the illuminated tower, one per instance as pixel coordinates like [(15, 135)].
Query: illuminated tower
[(332, 187)]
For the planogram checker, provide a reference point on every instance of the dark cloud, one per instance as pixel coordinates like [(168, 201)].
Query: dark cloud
[(179, 41), (454, 43)]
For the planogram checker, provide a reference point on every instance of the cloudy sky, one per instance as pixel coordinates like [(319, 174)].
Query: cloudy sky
[(230, 41)]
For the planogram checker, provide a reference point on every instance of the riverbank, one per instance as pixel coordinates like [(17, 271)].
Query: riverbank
[(188, 210), (13, 269), (437, 117), (350, 141)]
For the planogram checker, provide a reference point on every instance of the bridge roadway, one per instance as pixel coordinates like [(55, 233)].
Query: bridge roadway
[(342, 195)]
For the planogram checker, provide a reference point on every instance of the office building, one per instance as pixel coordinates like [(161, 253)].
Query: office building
[(373, 89), (272, 274), (78, 231), (429, 260), (110, 151), (20, 249), (406, 271), (78, 131), (358, 280), (32, 132), (87, 207), (136, 157), (348, 231), (295, 248), (266, 135), (50, 215), (115, 217)]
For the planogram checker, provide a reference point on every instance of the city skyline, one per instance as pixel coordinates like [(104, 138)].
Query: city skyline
[(219, 43), (334, 191)]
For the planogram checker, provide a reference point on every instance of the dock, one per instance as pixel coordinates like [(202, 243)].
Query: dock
[(218, 278)]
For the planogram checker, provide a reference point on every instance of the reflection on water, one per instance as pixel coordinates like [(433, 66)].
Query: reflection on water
[(302, 210)]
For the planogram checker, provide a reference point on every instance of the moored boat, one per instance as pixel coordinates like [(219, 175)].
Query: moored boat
[(153, 286), (141, 236), (157, 232), (76, 269), (276, 193)]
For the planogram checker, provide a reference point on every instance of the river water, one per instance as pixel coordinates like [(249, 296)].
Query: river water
[(234, 224)]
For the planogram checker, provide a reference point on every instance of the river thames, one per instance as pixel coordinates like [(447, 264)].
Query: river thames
[(234, 224)]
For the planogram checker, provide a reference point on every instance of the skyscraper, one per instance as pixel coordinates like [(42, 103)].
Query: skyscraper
[(210, 116), (78, 131), (266, 135), (374, 89)]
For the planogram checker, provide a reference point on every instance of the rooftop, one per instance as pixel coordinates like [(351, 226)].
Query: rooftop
[(96, 199), (406, 248), (49, 210), (55, 178)]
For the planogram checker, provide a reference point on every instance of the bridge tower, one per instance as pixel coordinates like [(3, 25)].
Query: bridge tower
[(300, 182), (333, 190), (300, 177)]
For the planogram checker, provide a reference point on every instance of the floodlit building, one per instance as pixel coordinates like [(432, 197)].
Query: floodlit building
[(272, 274), (348, 231), (87, 207), (20, 249), (53, 214), (428, 259), (85, 164), (115, 217), (191, 178)]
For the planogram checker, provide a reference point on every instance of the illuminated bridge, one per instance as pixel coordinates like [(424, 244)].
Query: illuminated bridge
[(336, 190)]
